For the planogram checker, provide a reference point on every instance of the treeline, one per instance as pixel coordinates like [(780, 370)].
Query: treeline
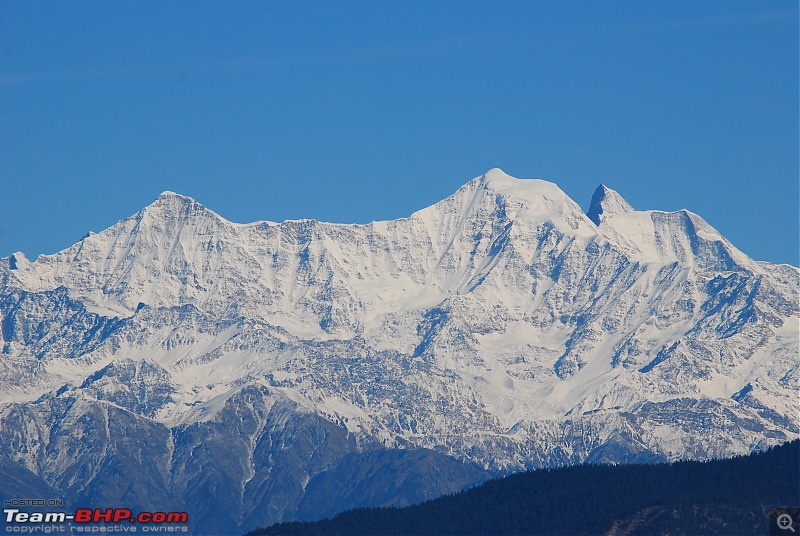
[(730, 496)]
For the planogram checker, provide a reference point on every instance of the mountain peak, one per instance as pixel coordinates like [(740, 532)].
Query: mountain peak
[(606, 202), (499, 181), (496, 179), (495, 173), (497, 327), (171, 197), (176, 205)]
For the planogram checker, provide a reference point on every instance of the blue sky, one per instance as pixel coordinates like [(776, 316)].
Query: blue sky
[(356, 111)]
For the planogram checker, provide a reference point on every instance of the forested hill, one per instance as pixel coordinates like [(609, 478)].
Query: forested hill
[(729, 496)]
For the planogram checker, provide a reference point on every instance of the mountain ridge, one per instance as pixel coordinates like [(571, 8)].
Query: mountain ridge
[(732, 496), (500, 327)]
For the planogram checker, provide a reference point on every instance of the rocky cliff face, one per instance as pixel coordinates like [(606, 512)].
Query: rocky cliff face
[(240, 371)]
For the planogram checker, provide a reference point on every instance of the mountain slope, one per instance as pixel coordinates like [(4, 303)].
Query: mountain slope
[(733, 497), (501, 327)]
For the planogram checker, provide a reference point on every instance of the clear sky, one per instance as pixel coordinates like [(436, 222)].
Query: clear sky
[(355, 111)]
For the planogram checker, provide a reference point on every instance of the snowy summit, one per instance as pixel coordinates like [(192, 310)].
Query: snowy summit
[(502, 327)]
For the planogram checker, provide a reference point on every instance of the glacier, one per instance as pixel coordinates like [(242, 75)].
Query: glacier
[(243, 371)]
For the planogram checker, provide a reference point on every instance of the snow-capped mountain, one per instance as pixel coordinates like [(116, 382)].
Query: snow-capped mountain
[(500, 329)]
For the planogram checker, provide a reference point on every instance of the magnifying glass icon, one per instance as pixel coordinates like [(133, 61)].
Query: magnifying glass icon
[(785, 522)]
